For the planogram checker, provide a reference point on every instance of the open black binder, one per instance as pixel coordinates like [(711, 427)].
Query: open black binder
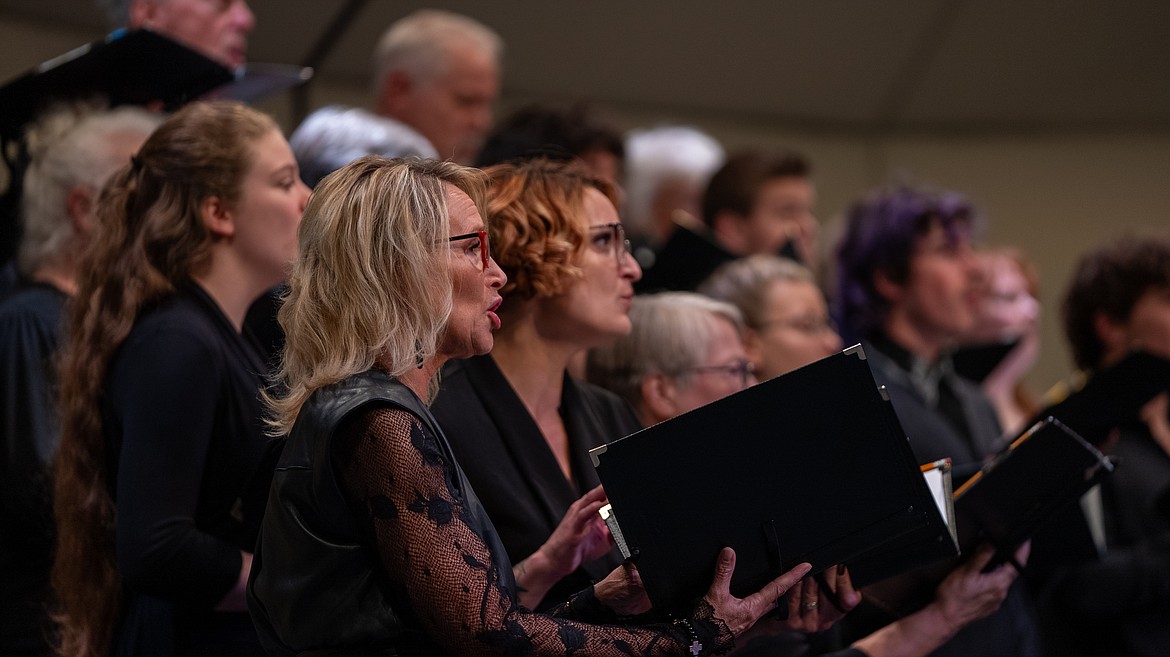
[(1044, 470), (1112, 397), (810, 466)]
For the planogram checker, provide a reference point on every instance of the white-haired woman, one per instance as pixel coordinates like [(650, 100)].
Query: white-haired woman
[(686, 350)]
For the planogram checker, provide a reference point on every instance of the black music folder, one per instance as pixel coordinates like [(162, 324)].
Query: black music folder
[(1112, 397), (809, 466), (1043, 471), (137, 67)]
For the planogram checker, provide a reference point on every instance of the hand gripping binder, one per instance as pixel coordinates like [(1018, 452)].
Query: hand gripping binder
[(810, 466)]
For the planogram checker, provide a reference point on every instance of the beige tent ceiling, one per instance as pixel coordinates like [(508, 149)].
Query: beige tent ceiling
[(855, 66)]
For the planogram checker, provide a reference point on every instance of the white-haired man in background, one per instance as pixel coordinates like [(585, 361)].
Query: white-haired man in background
[(217, 28), (439, 73)]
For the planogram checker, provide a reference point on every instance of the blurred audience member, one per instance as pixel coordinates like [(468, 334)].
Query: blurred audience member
[(554, 134), (439, 73), (787, 321), (162, 472), (1004, 343), (519, 424), (1116, 600), (685, 351), (667, 169), (217, 28), (72, 155), (907, 288), (755, 203), (334, 136)]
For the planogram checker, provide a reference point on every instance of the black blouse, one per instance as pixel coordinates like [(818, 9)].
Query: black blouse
[(508, 460), (188, 462)]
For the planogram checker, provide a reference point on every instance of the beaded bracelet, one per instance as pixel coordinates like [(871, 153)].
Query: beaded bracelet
[(695, 647)]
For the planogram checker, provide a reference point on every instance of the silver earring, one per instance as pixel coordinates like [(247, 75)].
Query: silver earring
[(418, 354)]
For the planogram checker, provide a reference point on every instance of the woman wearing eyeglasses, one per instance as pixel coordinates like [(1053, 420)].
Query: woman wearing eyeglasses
[(686, 351), (374, 541), (519, 423), (787, 320)]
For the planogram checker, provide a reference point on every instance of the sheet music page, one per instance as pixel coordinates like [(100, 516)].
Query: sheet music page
[(934, 481)]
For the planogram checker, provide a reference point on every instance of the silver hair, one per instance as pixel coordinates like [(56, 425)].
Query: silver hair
[(744, 283), (672, 333), (419, 44), (70, 149), (334, 136), (658, 155)]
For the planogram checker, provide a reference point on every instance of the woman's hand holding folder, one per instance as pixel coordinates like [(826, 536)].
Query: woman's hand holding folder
[(741, 614), (580, 537)]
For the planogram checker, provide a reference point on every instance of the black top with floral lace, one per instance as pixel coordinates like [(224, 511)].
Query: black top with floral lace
[(400, 488)]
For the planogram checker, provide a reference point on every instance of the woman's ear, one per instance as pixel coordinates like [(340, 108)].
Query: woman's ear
[(218, 219), (658, 397)]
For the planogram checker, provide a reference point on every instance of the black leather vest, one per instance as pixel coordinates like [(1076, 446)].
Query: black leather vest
[(315, 586)]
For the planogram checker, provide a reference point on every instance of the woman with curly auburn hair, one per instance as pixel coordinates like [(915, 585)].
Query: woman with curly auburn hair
[(520, 424), (163, 470)]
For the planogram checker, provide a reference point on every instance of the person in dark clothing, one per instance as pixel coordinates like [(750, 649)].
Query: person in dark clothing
[(518, 422), (571, 134), (1115, 598), (755, 203), (74, 153), (374, 541), (906, 284), (162, 469)]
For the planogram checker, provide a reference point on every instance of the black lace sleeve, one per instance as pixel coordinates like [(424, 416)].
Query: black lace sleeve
[(394, 475)]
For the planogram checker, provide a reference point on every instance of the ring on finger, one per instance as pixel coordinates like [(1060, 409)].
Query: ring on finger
[(809, 606)]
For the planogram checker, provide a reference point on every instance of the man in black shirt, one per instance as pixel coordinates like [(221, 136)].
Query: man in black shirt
[(906, 288), (755, 203), (1112, 596)]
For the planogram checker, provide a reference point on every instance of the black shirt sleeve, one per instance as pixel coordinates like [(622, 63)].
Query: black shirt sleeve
[(167, 392)]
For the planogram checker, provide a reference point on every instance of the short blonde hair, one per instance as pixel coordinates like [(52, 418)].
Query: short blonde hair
[(672, 334), (369, 285), (744, 283), (537, 232)]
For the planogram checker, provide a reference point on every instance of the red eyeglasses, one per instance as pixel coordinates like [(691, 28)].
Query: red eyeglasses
[(484, 245)]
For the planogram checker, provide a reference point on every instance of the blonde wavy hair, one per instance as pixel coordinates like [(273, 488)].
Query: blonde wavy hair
[(535, 209), (369, 285)]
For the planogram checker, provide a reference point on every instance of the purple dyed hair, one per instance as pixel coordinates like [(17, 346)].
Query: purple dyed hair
[(881, 235)]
